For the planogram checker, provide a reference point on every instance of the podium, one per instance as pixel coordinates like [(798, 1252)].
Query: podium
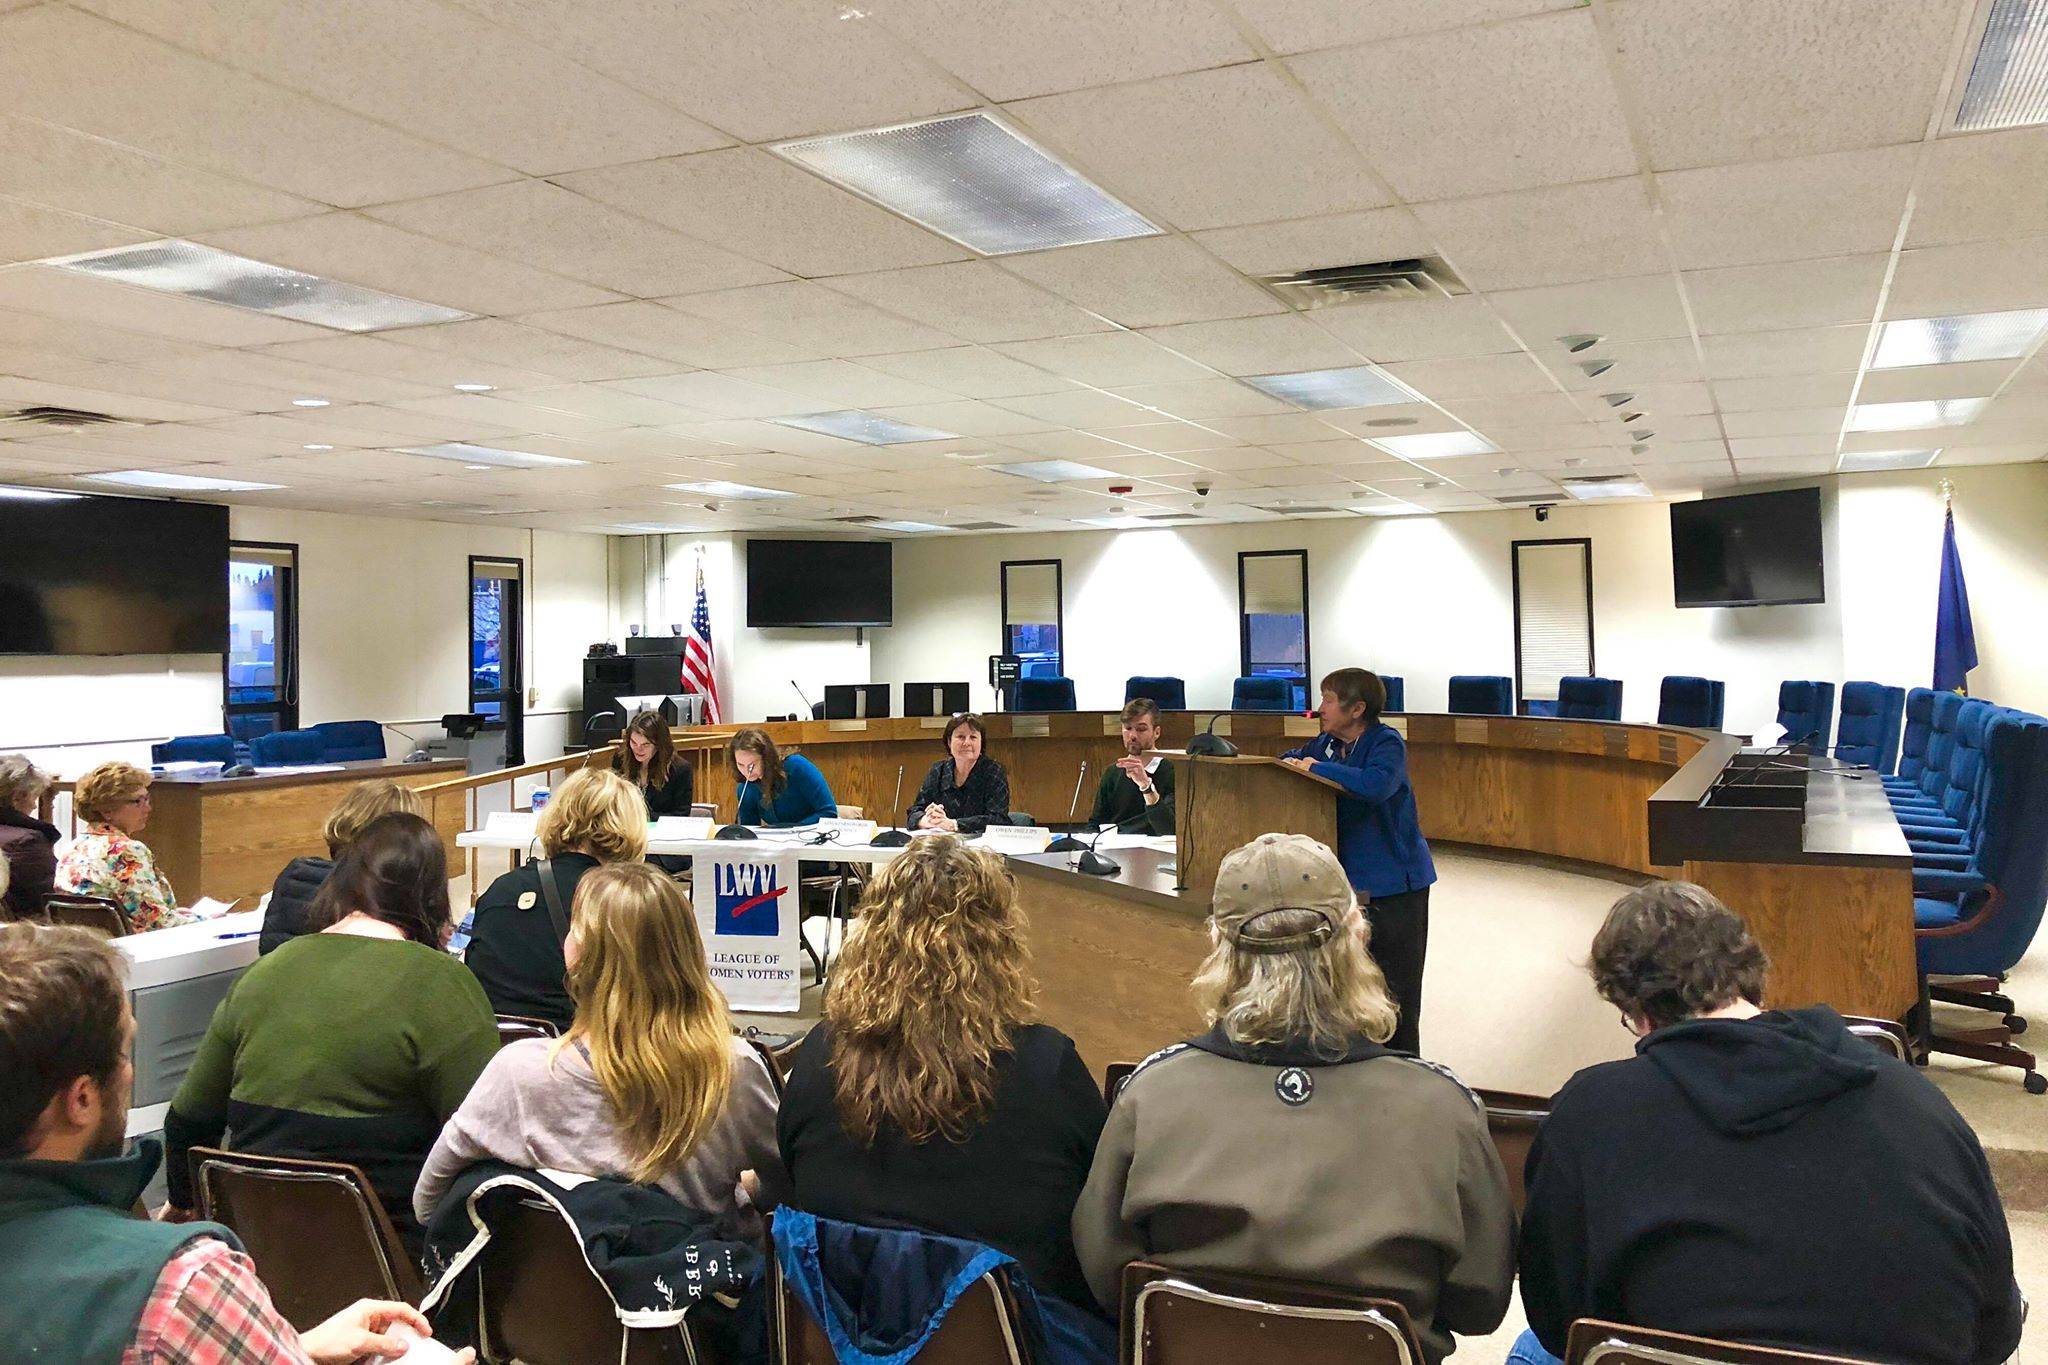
[(1220, 804)]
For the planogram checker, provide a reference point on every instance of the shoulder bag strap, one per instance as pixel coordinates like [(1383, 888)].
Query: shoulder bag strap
[(551, 896)]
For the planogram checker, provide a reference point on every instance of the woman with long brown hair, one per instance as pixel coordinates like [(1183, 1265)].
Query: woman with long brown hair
[(776, 788), (927, 1096), (649, 1084), (648, 759)]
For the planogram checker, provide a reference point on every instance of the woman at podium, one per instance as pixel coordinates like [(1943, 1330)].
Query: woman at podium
[(1379, 835)]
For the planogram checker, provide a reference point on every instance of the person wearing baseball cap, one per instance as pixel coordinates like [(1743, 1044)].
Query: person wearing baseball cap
[(1288, 1139)]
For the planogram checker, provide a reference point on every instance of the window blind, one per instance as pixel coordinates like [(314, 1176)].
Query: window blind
[(1553, 623)]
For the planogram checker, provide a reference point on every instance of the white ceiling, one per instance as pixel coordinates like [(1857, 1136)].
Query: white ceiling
[(1731, 192)]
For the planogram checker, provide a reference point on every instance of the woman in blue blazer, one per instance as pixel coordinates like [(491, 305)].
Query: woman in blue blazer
[(1379, 836), (776, 788)]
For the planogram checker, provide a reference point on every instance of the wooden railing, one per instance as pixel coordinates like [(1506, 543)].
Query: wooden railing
[(457, 800)]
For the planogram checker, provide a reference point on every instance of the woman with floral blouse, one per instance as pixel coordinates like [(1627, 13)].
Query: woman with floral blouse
[(108, 860)]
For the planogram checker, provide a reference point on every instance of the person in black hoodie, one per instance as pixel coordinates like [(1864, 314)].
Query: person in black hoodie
[(288, 913), (1756, 1176)]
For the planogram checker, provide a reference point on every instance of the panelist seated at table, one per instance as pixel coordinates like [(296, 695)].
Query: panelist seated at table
[(289, 912), (777, 788), (966, 792), (1136, 792), (648, 759), (108, 860)]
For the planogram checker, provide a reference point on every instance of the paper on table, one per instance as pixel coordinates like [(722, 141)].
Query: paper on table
[(206, 907), (681, 827)]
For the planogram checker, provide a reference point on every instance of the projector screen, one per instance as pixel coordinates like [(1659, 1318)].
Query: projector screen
[(1761, 549), (113, 576)]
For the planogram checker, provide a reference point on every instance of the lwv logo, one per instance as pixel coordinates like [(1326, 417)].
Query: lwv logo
[(746, 896)]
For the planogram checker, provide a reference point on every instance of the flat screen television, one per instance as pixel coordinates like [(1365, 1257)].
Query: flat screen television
[(96, 575), (819, 583), (1756, 550)]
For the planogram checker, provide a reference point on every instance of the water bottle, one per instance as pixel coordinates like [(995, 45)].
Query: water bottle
[(540, 799)]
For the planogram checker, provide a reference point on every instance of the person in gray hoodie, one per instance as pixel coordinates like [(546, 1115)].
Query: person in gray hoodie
[(1288, 1140), (1757, 1176)]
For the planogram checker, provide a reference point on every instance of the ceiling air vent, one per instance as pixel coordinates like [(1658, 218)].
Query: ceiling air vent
[(1293, 510), (981, 526), (857, 521), (1420, 277), (64, 417), (1529, 499), (1170, 516)]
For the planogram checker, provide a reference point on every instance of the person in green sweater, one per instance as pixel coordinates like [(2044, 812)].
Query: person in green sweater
[(1136, 792), (351, 1044)]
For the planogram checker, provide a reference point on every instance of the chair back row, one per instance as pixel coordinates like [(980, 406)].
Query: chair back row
[(331, 741)]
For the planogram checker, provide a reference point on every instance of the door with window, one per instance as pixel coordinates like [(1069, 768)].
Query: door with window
[(1032, 616), (1553, 619), (262, 662), (1272, 597), (496, 662)]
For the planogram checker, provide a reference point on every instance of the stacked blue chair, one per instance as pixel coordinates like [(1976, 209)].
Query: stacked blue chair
[(1397, 691), (1930, 781), (349, 741), (1700, 703), (284, 748), (1042, 694), (1913, 744), (1589, 698), (1168, 694), (194, 749), (1868, 732), (1806, 712), (1949, 817), (1482, 694), (1263, 694)]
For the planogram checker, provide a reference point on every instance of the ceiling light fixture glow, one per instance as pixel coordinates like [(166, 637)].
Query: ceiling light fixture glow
[(316, 447), (1354, 386), (719, 488), (1051, 471), (1864, 461), (475, 388), (1961, 337), (907, 527), (1435, 445), (1606, 489), (1916, 416), (2008, 82), (17, 493), (309, 403), (178, 483), (868, 428), (463, 453)]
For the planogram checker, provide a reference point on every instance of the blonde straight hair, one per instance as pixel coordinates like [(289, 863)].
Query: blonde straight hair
[(658, 1032), (1322, 995)]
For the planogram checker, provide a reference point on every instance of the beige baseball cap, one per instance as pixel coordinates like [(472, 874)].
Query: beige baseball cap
[(1279, 872)]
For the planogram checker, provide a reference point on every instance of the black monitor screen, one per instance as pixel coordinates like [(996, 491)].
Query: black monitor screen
[(1761, 549), (819, 583), (113, 576)]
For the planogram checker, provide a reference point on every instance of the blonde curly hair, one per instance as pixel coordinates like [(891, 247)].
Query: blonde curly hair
[(106, 789)]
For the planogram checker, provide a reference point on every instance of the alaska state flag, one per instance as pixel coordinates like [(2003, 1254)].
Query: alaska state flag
[(1955, 639)]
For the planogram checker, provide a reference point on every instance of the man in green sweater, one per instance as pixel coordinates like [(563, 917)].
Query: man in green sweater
[(83, 1278), (1136, 793)]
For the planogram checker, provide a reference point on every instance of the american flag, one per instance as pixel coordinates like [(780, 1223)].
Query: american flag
[(699, 663)]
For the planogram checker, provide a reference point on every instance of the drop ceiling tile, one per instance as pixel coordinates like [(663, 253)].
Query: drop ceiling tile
[(22, 393), (1800, 350), (1488, 376), (607, 405), (1207, 150), (1922, 382), (1783, 468), (73, 297), (293, 378), (1080, 408), (1107, 359), (970, 371), (1971, 277), (1146, 466), (1671, 360), (150, 96), (1555, 436), (1202, 399), (1759, 298), (840, 384), (806, 314), (966, 417), (1347, 454), (31, 232), (1554, 235), (1478, 110), (1981, 186), (1145, 282), (720, 395), (2025, 452), (1009, 51), (1277, 429), (658, 330), (1520, 410), (373, 357), (1787, 447), (1785, 422), (1790, 391), (1263, 345), (1167, 438), (1646, 308), (762, 207), (1302, 25), (1394, 419), (1319, 243), (1658, 400), (504, 342), (537, 222), (973, 300), (1835, 204), (1418, 329), (55, 336)]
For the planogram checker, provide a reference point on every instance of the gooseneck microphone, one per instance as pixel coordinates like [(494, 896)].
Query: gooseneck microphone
[(809, 710), (1209, 744), (1067, 843), (736, 830), (418, 753), (1097, 864), (895, 836)]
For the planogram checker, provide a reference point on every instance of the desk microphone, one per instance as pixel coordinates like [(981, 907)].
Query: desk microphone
[(593, 718), (419, 752), (237, 770), (895, 836), (809, 710), (1097, 864), (736, 830), (1067, 843), (1209, 744)]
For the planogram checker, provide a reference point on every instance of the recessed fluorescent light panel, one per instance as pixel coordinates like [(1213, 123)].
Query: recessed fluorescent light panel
[(1128, 523), (1860, 461), (200, 272), (907, 527), (718, 488), (651, 528), (1357, 386), (178, 483), (1393, 507), (2008, 84), (1435, 445), (970, 178), (15, 493), (1966, 336), (1935, 412), (1606, 490), (463, 453), (865, 427), (1051, 471)]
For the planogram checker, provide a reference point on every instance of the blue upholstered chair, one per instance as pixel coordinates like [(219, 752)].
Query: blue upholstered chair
[(1931, 781), (1868, 732), (1589, 698), (1397, 691), (1951, 814), (347, 741), (281, 748), (1700, 703), (1913, 744), (1263, 694), (1042, 694), (1806, 712), (194, 749), (1476, 694), (1168, 694)]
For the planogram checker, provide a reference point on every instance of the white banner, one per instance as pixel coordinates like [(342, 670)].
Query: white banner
[(747, 912)]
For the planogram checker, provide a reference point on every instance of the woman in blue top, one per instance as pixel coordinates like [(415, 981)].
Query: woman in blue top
[(1379, 837), (777, 789)]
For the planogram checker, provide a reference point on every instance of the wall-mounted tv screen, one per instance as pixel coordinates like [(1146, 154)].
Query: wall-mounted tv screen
[(1760, 549), (113, 576), (819, 583)]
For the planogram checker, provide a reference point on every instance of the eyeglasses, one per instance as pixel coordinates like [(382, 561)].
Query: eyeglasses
[(141, 800)]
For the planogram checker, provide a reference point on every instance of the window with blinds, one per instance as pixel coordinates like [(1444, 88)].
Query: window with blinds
[(1553, 615), (1272, 616), (1032, 616)]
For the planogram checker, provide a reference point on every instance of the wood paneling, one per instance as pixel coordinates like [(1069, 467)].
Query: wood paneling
[(1224, 803), (1835, 933)]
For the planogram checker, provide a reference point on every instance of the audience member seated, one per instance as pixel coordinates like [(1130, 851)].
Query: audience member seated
[(1760, 1177), (648, 759), (649, 1084), (108, 860), (28, 843), (969, 791), (515, 941), (1136, 791), (925, 1098), (352, 1044), (777, 788), (291, 896), (1288, 1140), (85, 1279)]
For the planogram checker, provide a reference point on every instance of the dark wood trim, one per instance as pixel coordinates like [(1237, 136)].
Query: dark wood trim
[(1515, 577), (1244, 630), (1059, 603)]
